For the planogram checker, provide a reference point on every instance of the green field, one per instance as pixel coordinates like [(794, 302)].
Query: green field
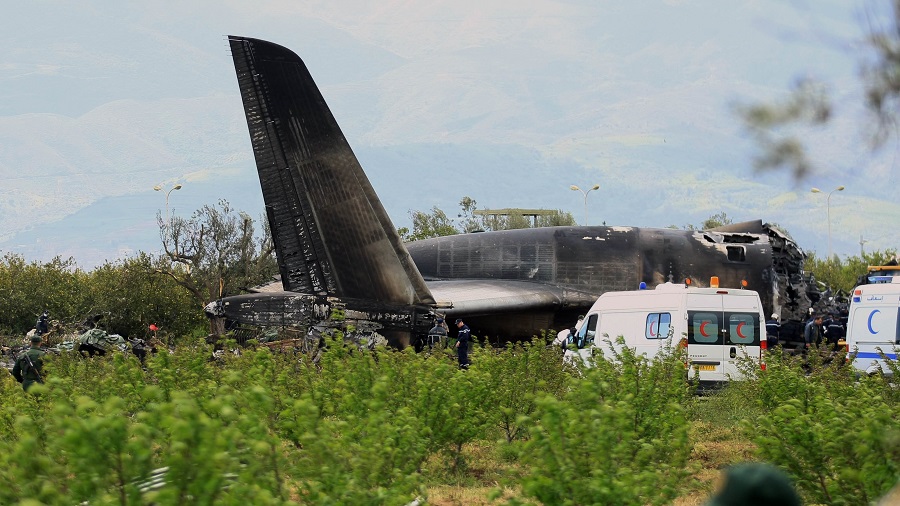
[(386, 427)]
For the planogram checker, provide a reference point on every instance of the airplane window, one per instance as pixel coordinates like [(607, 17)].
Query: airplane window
[(736, 253), (657, 325)]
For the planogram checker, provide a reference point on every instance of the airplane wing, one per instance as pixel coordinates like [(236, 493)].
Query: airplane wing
[(475, 297), (332, 235)]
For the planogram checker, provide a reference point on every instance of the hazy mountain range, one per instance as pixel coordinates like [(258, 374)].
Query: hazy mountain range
[(509, 103)]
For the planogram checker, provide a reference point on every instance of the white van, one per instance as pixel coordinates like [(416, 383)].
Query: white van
[(719, 326), (873, 323)]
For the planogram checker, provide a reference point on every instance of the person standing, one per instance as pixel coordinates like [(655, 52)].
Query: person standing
[(29, 367), (813, 333), (437, 335), (42, 326), (773, 331), (462, 343), (834, 331)]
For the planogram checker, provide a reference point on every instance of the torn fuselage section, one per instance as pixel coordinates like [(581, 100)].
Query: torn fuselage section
[(794, 291), (368, 320)]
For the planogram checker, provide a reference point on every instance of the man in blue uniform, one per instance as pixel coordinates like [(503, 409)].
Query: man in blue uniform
[(834, 330), (462, 344), (773, 331)]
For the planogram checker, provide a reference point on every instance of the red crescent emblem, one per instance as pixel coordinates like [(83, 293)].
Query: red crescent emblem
[(653, 334), (703, 328), (738, 330)]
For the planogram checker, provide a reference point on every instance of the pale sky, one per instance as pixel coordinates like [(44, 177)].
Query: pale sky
[(506, 102)]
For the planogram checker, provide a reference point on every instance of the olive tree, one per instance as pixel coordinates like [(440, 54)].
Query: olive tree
[(215, 252)]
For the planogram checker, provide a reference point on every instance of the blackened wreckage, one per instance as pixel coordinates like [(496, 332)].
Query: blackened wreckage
[(342, 262)]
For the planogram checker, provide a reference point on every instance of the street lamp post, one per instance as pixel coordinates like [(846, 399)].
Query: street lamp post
[(159, 188), (828, 211), (585, 193)]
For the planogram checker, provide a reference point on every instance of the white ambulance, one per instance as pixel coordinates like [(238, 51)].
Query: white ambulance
[(873, 324), (719, 326)]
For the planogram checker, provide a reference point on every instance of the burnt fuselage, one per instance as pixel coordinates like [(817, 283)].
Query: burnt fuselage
[(594, 260)]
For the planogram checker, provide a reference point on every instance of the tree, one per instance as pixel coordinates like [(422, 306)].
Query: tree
[(438, 224), (215, 251), (716, 220), (843, 274), (719, 219), (29, 288), (778, 127), (428, 225), (132, 294)]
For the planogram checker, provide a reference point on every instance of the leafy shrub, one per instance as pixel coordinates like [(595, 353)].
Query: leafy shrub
[(837, 437), (620, 436)]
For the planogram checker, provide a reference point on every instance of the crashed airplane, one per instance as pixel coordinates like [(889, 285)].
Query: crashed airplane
[(342, 260)]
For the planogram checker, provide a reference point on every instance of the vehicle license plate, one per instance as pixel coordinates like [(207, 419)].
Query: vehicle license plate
[(705, 367)]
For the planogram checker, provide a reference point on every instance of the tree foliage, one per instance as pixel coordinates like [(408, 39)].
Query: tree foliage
[(779, 127), (715, 220), (215, 252), (128, 295), (259, 427), (438, 224), (843, 274)]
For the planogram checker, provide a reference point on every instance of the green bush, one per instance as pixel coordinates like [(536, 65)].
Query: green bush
[(620, 436), (837, 437)]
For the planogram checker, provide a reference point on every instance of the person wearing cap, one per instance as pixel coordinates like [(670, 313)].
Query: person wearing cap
[(773, 331), (29, 367), (754, 484), (813, 332), (462, 343), (437, 336)]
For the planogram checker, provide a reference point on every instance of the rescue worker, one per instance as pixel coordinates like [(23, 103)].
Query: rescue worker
[(437, 336), (462, 343), (834, 331), (570, 339), (29, 367), (813, 333), (41, 326), (773, 331)]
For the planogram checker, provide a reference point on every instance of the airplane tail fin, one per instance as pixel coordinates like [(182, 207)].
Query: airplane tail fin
[(332, 235)]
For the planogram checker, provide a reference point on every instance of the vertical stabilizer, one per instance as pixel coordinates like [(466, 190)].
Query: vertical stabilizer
[(332, 235)]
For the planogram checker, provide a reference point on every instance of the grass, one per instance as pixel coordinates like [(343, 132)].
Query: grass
[(489, 471)]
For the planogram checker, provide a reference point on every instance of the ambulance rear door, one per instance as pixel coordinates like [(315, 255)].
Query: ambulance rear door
[(719, 326)]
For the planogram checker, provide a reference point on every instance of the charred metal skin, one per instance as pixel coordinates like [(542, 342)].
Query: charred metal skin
[(336, 246), (290, 309), (588, 261), (332, 235)]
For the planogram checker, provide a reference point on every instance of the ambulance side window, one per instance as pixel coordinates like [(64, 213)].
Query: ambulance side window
[(657, 325), (587, 332), (703, 328)]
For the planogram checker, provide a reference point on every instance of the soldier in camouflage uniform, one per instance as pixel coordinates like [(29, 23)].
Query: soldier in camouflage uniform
[(30, 364)]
